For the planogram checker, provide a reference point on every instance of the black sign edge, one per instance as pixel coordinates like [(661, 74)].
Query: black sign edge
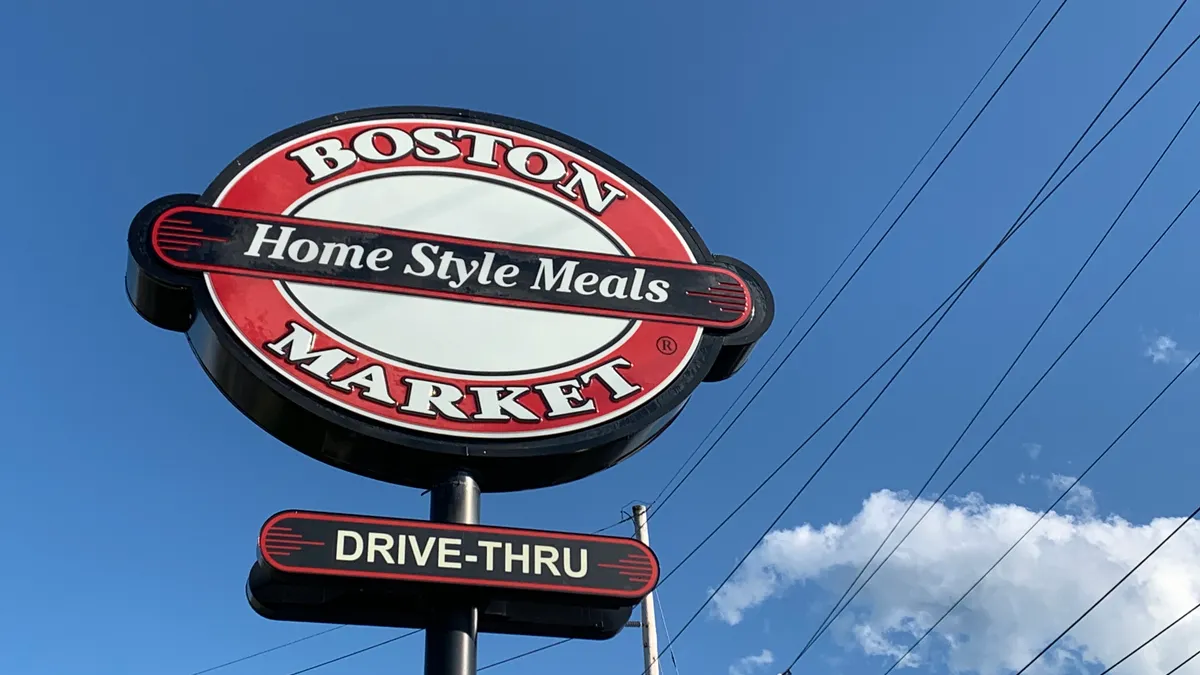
[(179, 302)]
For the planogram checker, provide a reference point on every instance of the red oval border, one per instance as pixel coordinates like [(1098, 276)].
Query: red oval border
[(257, 311)]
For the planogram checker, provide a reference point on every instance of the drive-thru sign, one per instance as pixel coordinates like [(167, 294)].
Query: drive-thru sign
[(420, 294), (522, 562)]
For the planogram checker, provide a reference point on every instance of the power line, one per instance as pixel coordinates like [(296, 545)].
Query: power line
[(1109, 592), (343, 657), (522, 655), (1152, 638), (952, 298), (956, 295), (949, 299), (1096, 461), (936, 310), (835, 612), (1185, 662), (622, 521), (829, 418), (564, 641), (267, 651), (663, 615), (828, 281)]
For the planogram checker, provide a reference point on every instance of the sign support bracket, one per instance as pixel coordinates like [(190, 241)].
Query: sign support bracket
[(450, 642)]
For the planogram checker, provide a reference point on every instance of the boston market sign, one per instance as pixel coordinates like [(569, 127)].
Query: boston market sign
[(405, 293)]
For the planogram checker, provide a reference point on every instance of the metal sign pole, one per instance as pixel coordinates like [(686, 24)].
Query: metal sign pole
[(450, 640)]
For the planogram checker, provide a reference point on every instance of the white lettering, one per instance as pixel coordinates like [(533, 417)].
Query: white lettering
[(579, 573), (639, 276), (656, 291), (494, 408), (438, 140), (613, 286), (545, 555), (418, 254), (559, 397), (485, 269), (421, 556), (463, 269), (260, 238), (303, 250), (377, 257), (424, 396), (612, 380), (491, 547), (343, 251), (323, 159), (595, 198), (552, 168), (509, 558), (378, 542), (371, 383), (584, 281), (366, 144), (506, 272), (347, 535), (547, 277), (445, 550), (483, 147), (297, 347)]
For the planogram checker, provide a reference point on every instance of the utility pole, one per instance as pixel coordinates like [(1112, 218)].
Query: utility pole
[(649, 632)]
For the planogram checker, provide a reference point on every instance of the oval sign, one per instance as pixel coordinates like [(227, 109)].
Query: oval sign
[(444, 290)]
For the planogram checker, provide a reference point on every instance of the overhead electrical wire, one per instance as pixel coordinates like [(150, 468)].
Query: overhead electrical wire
[(1022, 220), (267, 651), (622, 521), (522, 655), (662, 614), (656, 501), (356, 652), (953, 299), (1152, 638), (1185, 662), (1065, 492), (1109, 592), (557, 643), (838, 607), (879, 242), (950, 299)]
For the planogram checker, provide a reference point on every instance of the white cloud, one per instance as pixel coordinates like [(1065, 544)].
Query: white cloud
[(749, 664), (1164, 349), (1080, 499), (1060, 569), (1033, 450)]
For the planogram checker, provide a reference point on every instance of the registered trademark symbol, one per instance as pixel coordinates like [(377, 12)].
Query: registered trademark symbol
[(667, 346)]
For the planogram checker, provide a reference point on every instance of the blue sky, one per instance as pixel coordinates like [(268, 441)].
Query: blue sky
[(134, 492)]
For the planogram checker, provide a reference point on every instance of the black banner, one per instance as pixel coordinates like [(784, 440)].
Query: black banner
[(399, 261), (470, 555)]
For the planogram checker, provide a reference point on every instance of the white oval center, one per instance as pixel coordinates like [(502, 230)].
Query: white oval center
[(450, 336)]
